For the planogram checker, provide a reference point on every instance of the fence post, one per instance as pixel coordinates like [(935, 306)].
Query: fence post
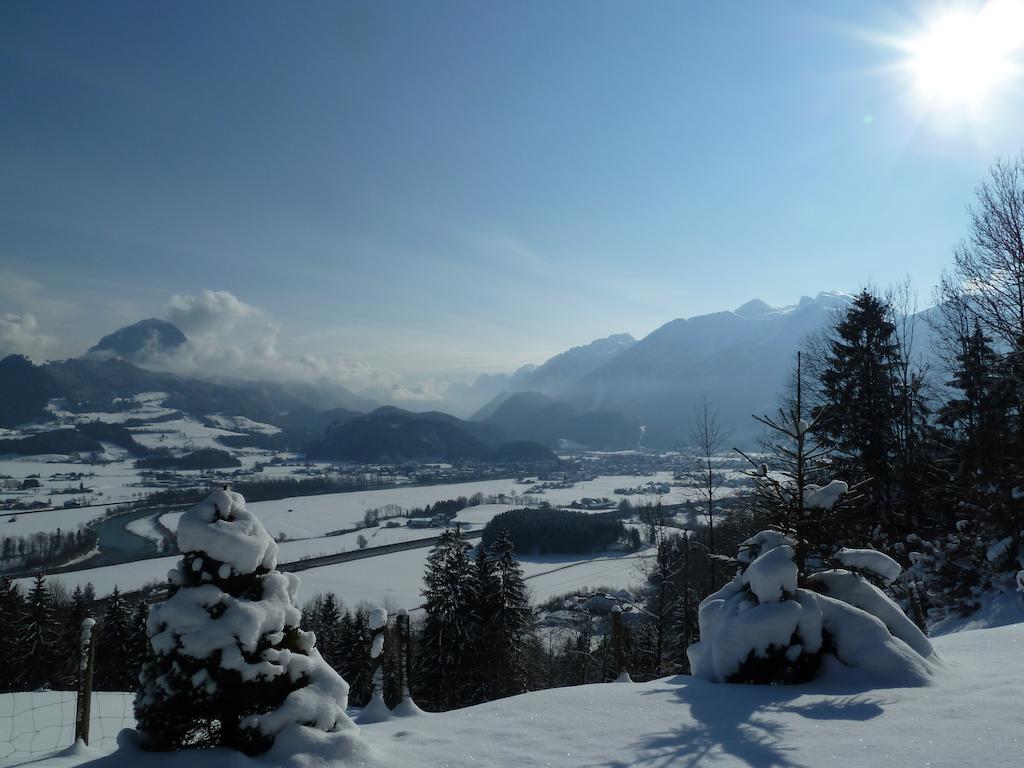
[(83, 703), (619, 644), (404, 649)]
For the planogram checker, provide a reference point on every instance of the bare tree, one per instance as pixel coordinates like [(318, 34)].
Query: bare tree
[(987, 282), (705, 465)]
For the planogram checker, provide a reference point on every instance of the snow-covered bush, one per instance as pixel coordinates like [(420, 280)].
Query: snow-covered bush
[(228, 663), (771, 624)]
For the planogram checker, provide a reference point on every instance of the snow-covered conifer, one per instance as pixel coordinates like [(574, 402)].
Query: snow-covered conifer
[(774, 624), (230, 665)]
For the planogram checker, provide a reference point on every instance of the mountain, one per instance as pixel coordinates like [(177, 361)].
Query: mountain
[(559, 372), (464, 400), (25, 389), (138, 341), (391, 434), (740, 360), (535, 416), (96, 385)]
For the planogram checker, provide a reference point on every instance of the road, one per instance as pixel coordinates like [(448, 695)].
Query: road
[(158, 593)]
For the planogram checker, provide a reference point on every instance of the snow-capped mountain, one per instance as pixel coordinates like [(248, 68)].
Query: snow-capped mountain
[(740, 360)]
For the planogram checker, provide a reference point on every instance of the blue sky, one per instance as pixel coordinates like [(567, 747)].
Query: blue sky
[(427, 190)]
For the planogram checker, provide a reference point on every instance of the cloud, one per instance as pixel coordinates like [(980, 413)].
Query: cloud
[(210, 312), (230, 339), (20, 334)]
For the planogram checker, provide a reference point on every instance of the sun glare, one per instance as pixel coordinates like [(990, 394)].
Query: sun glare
[(964, 57)]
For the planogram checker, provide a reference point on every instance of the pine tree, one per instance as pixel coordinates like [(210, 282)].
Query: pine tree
[(37, 638), (978, 420), (483, 654), (356, 666), (511, 621), (230, 665), (115, 670), (12, 608), (446, 640), (858, 383)]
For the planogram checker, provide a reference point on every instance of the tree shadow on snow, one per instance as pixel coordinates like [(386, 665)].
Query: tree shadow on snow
[(742, 723)]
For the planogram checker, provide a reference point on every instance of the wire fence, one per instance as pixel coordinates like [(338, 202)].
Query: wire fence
[(35, 723), (42, 722)]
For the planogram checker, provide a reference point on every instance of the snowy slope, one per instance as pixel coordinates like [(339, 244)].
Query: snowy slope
[(970, 715)]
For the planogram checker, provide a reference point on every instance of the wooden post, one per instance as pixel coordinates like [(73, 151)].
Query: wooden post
[(87, 658), (405, 651), (619, 645)]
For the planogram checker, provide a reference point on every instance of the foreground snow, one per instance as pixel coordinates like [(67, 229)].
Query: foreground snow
[(969, 715)]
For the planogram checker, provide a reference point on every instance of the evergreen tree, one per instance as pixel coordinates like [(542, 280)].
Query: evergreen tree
[(978, 419), (37, 639), (324, 619), (230, 666), (483, 654), (446, 639), (510, 621), (858, 383), (139, 648), (115, 658), (356, 666), (12, 608)]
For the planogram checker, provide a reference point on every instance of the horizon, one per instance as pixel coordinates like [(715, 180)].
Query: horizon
[(401, 198)]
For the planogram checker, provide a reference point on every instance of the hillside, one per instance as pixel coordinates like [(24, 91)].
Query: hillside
[(968, 716), (391, 434), (559, 372), (535, 416)]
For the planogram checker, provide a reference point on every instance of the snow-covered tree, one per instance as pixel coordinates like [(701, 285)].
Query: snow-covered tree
[(775, 624), (230, 665)]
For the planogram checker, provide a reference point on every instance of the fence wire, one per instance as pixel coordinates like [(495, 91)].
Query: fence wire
[(34, 723)]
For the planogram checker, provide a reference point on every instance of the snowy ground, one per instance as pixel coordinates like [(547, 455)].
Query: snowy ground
[(969, 716)]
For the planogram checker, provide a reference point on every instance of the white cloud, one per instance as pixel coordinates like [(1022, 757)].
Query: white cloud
[(21, 335), (210, 312)]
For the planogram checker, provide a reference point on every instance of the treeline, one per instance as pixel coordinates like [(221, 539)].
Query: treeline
[(203, 458), (38, 549), (476, 642), (40, 646), (82, 438), (548, 530), (448, 509)]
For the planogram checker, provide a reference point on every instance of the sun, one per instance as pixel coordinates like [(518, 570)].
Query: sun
[(964, 57)]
